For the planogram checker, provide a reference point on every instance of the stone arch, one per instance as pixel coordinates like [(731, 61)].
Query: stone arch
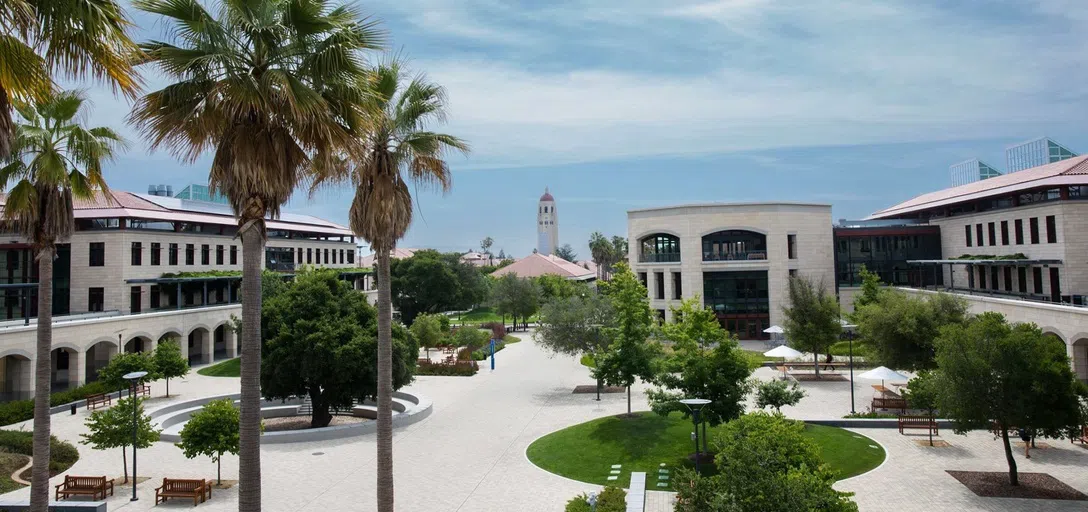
[(733, 244), (16, 375), (734, 228), (224, 345), (1079, 355), (98, 355), (64, 367), (140, 342), (1051, 331), (198, 347)]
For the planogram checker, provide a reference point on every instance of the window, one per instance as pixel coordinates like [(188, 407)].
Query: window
[(659, 285), (642, 278), (1022, 278), (153, 295), (1037, 277), (994, 285), (1004, 232), (1008, 278), (1033, 223), (660, 317), (326, 256), (156, 253), (677, 287), (98, 254), (234, 255), (172, 254), (982, 278), (309, 253), (218, 254), (992, 232), (96, 298), (334, 256), (343, 254), (1051, 230), (134, 299), (967, 234), (137, 254), (793, 272), (299, 258), (205, 254), (351, 256), (190, 254), (791, 246), (978, 235), (1019, 224), (1055, 285)]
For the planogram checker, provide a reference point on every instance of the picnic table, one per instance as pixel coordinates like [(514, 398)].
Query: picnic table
[(885, 391)]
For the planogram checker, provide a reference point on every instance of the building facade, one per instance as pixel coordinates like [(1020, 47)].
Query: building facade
[(547, 225), (1034, 153), (138, 268), (737, 258)]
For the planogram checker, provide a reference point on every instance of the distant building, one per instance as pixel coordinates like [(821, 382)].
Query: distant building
[(547, 225), (970, 171), (196, 192), (398, 254), (478, 259), (1034, 153), (536, 265)]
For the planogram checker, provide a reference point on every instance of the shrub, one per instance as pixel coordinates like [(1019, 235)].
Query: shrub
[(16, 411), (612, 499), (22, 410), (485, 352), (61, 453), (461, 369), (871, 415), (498, 329), (470, 337), (777, 394), (579, 504)]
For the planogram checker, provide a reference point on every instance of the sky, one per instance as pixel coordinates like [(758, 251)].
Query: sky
[(623, 104)]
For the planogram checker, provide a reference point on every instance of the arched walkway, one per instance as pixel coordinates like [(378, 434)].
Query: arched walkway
[(200, 346), (223, 342), (139, 344), (64, 369), (98, 356), (1080, 358), (16, 377)]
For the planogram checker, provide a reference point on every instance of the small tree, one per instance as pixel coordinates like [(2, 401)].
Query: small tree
[(993, 373), (899, 329), (576, 326), (212, 432), (113, 375), (112, 428), (567, 253), (515, 296), (169, 361), (812, 318), (870, 288), (427, 329), (922, 394), (778, 393), (631, 355)]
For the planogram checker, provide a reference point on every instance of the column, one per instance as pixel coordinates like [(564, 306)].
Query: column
[(207, 347), (230, 339), (76, 378)]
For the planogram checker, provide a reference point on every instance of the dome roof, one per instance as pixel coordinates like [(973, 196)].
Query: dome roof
[(547, 195)]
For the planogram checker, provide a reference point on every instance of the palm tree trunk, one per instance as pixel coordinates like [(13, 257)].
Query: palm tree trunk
[(385, 384), (39, 481), (249, 453)]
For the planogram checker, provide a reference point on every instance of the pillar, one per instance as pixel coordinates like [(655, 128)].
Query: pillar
[(75, 362), (207, 346), (230, 340)]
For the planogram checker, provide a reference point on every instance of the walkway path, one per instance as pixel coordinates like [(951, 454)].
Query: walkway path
[(469, 455)]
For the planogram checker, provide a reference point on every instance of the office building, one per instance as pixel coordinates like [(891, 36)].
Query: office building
[(970, 171), (1034, 153)]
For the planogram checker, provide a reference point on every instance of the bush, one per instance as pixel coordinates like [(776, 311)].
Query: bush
[(871, 415), (77, 394), (22, 410), (470, 337), (612, 499), (461, 369), (61, 453), (16, 411), (579, 504), (485, 352), (498, 329)]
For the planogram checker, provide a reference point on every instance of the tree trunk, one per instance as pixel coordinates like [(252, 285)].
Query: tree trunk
[(249, 429), (219, 470), (319, 415), (1013, 480), (39, 479), (124, 460), (816, 361), (628, 400), (168, 387), (385, 384)]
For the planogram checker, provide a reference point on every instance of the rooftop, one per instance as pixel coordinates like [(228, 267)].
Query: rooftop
[(768, 204), (536, 265)]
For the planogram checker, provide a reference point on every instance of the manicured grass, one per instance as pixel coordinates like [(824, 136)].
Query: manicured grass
[(510, 339), (9, 463), (587, 451), (228, 368), (482, 316), (587, 360)]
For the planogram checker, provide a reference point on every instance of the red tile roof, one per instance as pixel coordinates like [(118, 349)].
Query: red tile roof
[(536, 265)]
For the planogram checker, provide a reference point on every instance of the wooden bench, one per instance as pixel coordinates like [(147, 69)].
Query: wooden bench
[(889, 403), (98, 400), (1083, 438), (199, 490), (94, 486), (144, 389), (927, 423)]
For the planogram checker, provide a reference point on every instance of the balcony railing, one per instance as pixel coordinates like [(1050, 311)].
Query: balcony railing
[(1066, 300), (661, 257), (735, 256)]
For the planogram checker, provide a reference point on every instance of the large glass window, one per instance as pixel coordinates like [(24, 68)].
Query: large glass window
[(730, 293), (887, 256), (1051, 230), (172, 254), (98, 254), (156, 253), (279, 258), (967, 234), (1019, 225), (1033, 224), (734, 245), (137, 254), (190, 254), (96, 299), (659, 248)]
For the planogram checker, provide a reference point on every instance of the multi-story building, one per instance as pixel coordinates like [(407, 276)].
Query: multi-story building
[(136, 271), (1034, 153), (885, 247), (970, 171), (736, 257)]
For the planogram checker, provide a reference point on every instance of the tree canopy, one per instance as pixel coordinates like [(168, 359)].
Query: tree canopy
[(900, 329), (112, 428), (631, 355), (212, 431), (811, 317), (433, 282), (113, 375), (169, 361), (567, 253), (427, 330), (576, 325), (516, 296), (320, 341)]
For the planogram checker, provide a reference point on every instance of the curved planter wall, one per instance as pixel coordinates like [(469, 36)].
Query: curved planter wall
[(412, 409)]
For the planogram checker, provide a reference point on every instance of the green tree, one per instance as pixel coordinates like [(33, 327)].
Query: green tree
[(705, 362), (558, 287), (567, 253), (631, 355), (899, 329), (922, 393), (112, 428), (811, 318), (212, 432), (778, 394), (472, 289), (485, 247), (424, 283), (54, 159), (870, 288), (515, 296), (1006, 375), (320, 341), (113, 375), (577, 325), (275, 90), (427, 329), (169, 362)]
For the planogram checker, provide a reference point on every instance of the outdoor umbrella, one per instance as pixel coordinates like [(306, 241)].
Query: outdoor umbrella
[(882, 374), (774, 329), (784, 352)]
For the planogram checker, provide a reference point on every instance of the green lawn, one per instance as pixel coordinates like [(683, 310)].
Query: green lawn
[(9, 463), (228, 368), (482, 316), (510, 339), (587, 451)]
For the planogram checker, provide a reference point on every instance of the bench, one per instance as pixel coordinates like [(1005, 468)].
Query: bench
[(927, 423), (1083, 438), (94, 486), (98, 400), (636, 494), (889, 403), (144, 389), (199, 490)]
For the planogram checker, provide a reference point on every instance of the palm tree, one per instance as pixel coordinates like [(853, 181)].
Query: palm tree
[(601, 249), (274, 89), (54, 158), (397, 150), (76, 37)]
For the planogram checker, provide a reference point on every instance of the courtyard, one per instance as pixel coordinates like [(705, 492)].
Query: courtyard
[(470, 454)]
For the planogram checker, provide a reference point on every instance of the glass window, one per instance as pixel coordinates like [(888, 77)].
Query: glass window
[(137, 254), (1022, 279), (205, 254), (1033, 224), (156, 253), (351, 256), (234, 255), (978, 235), (190, 254), (734, 245), (98, 254), (153, 295), (218, 254), (172, 254), (309, 255), (96, 299), (1019, 225), (1037, 278), (659, 248), (967, 234), (992, 231), (1051, 230), (135, 301), (1004, 232), (791, 246)]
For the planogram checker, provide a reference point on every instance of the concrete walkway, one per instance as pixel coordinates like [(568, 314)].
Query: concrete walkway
[(469, 455)]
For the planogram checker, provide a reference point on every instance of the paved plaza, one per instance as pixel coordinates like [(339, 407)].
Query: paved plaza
[(469, 455)]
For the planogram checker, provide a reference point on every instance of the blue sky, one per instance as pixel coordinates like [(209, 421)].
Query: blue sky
[(617, 105)]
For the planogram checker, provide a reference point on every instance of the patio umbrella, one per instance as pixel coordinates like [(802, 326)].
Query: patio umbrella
[(774, 329), (846, 325), (783, 351), (882, 374)]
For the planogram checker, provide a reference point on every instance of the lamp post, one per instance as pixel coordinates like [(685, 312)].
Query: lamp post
[(850, 338), (695, 405), (133, 379)]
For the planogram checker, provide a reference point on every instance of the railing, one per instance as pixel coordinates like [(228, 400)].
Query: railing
[(735, 256), (1067, 300), (61, 319), (661, 257)]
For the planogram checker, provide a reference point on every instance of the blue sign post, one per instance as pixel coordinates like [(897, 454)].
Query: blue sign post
[(492, 354)]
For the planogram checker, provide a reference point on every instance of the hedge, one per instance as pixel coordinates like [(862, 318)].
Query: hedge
[(611, 499), (62, 454), (22, 410), (485, 352), (460, 369)]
